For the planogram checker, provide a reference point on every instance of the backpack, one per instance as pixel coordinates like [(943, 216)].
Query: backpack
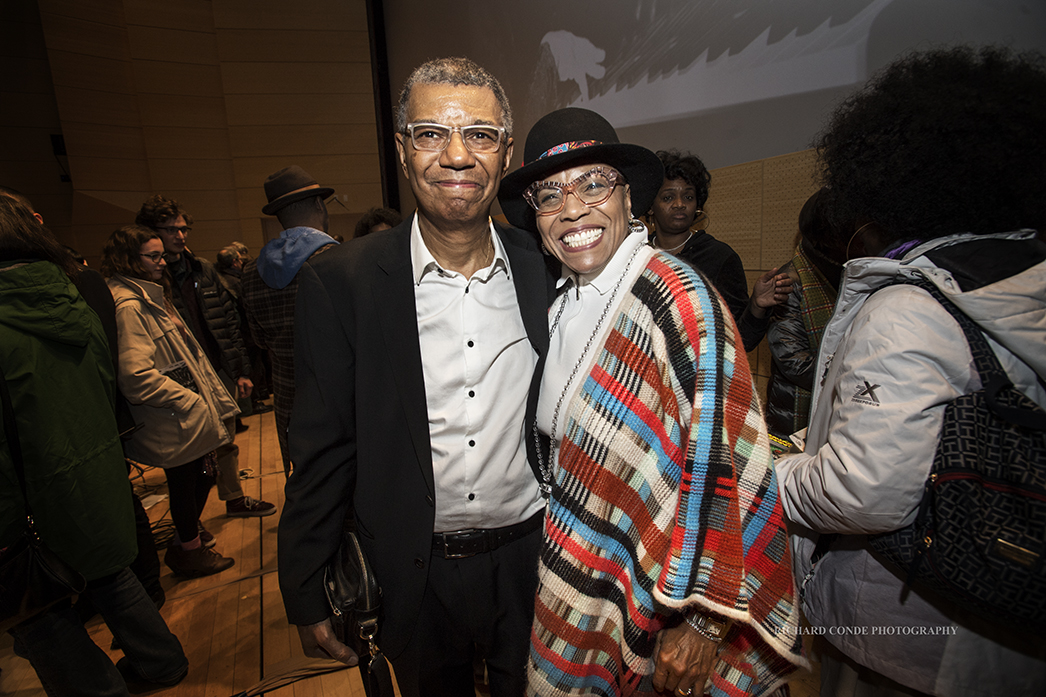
[(979, 537)]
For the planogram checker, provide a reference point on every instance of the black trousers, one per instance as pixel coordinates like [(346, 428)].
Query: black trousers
[(188, 487), (146, 566), (483, 603)]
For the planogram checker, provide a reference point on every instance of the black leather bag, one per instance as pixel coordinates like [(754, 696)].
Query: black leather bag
[(979, 537), (355, 600), (32, 578)]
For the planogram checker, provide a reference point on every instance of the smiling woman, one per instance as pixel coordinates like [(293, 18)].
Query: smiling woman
[(582, 215), (641, 382)]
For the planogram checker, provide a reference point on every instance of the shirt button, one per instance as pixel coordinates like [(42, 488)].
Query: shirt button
[(471, 344), (472, 444), (419, 563), (472, 497), (472, 393)]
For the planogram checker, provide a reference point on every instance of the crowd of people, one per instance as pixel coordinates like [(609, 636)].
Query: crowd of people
[(546, 434)]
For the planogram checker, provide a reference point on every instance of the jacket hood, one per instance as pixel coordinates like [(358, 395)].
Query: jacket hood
[(281, 258), (124, 288), (1012, 310), (39, 299)]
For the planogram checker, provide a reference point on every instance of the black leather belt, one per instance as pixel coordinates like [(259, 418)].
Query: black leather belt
[(467, 543)]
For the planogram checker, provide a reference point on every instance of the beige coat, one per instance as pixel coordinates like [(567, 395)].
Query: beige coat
[(178, 425)]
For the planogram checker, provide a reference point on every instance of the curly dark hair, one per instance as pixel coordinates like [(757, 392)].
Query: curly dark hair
[(24, 238), (376, 216), (157, 209), (690, 169), (121, 254), (826, 233), (941, 142)]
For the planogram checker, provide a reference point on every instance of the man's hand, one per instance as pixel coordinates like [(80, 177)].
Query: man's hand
[(682, 661), (318, 641), (770, 289), (244, 387)]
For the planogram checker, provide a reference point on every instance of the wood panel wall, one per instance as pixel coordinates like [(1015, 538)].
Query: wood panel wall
[(199, 100), (754, 207), (29, 115), (202, 99)]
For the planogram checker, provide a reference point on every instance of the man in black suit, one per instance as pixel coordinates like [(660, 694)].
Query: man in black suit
[(415, 351)]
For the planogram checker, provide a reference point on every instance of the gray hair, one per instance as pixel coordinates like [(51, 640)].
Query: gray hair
[(227, 257), (453, 71)]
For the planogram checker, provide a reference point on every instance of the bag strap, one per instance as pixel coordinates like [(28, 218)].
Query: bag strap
[(994, 379), (11, 431), (290, 671)]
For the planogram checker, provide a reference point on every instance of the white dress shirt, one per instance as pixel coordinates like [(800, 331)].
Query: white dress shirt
[(477, 362)]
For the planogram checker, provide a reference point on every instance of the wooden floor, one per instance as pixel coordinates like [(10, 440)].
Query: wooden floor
[(232, 625)]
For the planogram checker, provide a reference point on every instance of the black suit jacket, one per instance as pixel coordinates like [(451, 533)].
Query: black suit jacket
[(359, 434)]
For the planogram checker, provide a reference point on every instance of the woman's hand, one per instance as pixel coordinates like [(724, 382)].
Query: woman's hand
[(770, 289), (682, 660)]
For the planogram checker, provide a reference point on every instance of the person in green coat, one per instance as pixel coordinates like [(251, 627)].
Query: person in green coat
[(58, 371)]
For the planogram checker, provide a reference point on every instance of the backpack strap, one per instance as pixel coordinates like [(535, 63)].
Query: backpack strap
[(994, 379)]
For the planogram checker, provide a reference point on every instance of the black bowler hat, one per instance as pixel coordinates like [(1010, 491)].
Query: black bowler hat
[(570, 137), (288, 185)]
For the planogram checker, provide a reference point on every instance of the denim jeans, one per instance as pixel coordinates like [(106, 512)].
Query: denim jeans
[(69, 663)]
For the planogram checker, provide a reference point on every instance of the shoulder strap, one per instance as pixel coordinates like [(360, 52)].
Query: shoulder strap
[(994, 379), (11, 431)]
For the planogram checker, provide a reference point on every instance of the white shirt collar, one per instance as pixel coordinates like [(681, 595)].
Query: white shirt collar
[(422, 261)]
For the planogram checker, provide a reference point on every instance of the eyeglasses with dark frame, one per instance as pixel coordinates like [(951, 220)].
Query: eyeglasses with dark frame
[(154, 257), (435, 137), (591, 188), (172, 229)]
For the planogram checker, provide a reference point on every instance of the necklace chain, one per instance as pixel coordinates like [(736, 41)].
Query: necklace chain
[(546, 467), (672, 249)]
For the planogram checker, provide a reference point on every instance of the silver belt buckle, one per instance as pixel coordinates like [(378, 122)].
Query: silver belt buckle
[(446, 548)]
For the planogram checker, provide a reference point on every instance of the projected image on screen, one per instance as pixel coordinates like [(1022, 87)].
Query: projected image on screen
[(679, 58), (731, 80)]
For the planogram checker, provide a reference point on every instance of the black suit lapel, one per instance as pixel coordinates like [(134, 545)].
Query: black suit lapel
[(397, 313)]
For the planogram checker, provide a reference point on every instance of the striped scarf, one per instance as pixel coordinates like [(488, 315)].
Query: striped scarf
[(665, 501), (816, 303)]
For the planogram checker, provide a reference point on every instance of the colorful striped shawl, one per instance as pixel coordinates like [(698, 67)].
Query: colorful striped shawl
[(665, 500)]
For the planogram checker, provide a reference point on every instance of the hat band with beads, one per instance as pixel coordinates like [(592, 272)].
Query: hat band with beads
[(567, 147)]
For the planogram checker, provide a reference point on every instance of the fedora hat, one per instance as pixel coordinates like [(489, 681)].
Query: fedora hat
[(570, 137), (288, 185)]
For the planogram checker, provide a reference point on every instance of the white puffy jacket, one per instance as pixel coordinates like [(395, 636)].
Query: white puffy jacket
[(891, 360)]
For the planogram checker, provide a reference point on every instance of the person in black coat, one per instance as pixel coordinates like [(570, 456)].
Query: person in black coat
[(680, 228), (795, 332), (416, 352)]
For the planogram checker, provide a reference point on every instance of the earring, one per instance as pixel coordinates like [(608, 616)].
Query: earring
[(635, 226), (853, 237), (698, 214)]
